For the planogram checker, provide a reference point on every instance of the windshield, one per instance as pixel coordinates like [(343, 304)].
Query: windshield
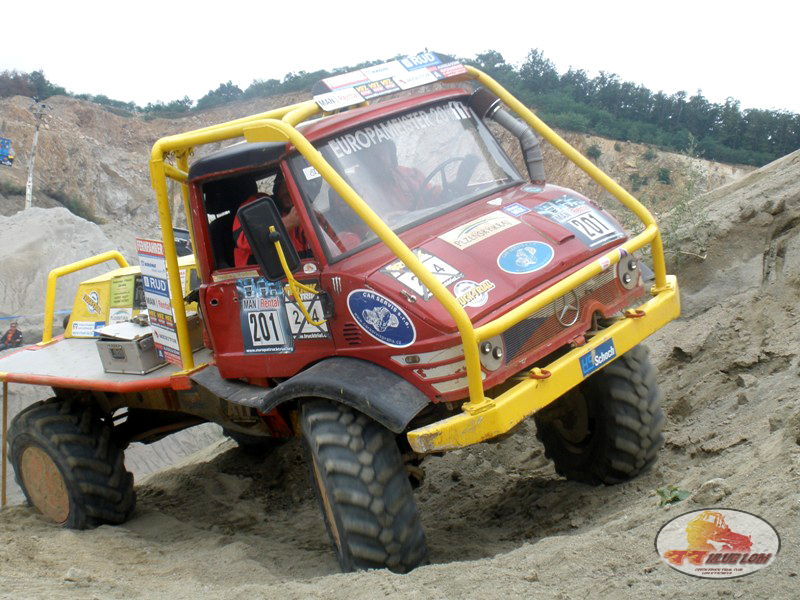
[(408, 168)]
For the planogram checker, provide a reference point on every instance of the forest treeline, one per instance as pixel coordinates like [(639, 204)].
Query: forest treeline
[(603, 105)]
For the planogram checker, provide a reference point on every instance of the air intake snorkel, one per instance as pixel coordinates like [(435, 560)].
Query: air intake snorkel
[(488, 106)]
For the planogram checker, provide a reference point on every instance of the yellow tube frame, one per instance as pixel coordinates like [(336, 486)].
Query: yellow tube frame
[(279, 125), (52, 278)]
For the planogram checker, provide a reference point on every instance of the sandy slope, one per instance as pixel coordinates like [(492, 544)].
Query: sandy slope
[(499, 522)]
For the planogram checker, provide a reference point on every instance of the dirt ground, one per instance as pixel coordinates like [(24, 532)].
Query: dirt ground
[(500, 523)]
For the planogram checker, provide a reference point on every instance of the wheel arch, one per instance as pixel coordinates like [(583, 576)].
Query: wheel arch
[(377, 392)]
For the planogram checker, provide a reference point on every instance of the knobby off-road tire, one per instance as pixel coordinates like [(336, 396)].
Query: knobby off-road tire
[(607, 429), (363, 489), (68, 465)]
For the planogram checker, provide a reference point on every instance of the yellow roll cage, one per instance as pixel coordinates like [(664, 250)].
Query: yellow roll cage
[(280, 125)]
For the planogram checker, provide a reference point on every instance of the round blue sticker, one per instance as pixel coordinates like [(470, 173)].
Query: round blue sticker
[(525, 257), (381, 318)]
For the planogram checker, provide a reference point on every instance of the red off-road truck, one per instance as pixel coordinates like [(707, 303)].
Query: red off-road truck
[(417, 293)]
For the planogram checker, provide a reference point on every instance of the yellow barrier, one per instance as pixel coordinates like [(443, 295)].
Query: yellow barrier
[(50, 299)]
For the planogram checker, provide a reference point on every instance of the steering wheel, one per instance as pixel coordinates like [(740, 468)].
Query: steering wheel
[(466, 167)]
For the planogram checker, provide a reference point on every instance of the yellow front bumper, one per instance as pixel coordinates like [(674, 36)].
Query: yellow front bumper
[(531, 394)]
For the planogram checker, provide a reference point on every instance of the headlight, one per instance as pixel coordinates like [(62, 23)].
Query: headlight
[(628, 272), (491, 353)]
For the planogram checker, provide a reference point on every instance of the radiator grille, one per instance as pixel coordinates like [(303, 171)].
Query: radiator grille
[(543, 324)]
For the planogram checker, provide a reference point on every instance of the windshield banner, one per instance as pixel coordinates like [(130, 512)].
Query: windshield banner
[(355, 87)]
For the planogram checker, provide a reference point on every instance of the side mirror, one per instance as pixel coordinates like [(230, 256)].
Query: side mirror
[(256, 218)]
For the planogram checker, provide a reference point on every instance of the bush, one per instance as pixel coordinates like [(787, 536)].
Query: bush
[(74, 205), (593, 152), (617, 146), (649, 154), (663, 176), (9, 188)]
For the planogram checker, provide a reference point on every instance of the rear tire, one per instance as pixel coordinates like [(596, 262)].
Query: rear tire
[(363, 489), (68, 465), (608, 428)]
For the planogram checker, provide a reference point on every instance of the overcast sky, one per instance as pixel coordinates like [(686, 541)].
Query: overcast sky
[(146, 51)]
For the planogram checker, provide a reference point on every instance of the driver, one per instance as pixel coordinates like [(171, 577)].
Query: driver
[(399, 185)]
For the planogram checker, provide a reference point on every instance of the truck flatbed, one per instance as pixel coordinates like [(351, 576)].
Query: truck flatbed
[(75, 363)]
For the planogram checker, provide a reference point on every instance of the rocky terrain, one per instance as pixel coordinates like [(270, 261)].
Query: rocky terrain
[(500, 522)]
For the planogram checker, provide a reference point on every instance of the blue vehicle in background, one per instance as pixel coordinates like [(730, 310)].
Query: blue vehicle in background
[(6, 152)]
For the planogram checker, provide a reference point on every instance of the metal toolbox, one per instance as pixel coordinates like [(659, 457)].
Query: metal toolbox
[(128, 348)]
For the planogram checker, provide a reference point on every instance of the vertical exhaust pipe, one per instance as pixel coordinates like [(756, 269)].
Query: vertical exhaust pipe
[(488, 106)]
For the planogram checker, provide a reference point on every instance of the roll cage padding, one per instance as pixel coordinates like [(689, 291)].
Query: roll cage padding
[(377, 392)]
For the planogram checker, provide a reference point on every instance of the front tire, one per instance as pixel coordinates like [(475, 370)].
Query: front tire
[(68, 465), (608, 428), (363, 489)]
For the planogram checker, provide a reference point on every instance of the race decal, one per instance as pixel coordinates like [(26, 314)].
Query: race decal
[(357, 86), (597, 357), (471, 293), (82, 329), (300, 327), (473, 232), (265, 325), (516, 209), (438, 268), (591, 227), (156, 294), (525, 257), (381, 318)]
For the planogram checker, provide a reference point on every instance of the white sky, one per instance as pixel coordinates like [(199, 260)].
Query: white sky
[(147, 51)]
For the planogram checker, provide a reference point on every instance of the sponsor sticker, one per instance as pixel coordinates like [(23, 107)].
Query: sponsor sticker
[(525, 257), (381, 318), (92, 302), (300, 327), (156, 295), (532, 189), (309, 268), (717, 543), (591, 227), (265, 326), (355, 87), (86, 328), (338, 99), (479, 229), (445, 273), (597, 357), (472, 294), (119, 315), (516, 209)]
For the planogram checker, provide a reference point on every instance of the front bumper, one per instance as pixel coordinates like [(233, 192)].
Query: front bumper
[(532, 393)]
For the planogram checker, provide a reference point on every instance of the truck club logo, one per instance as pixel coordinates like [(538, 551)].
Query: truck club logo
[(92, 301), (381, 318), (717, 543), (525, 257)]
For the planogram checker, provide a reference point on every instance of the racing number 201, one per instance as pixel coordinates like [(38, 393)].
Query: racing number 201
[(591, 226), (265, 328)]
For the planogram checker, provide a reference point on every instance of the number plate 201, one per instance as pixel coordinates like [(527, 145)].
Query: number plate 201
[(265, 328)]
